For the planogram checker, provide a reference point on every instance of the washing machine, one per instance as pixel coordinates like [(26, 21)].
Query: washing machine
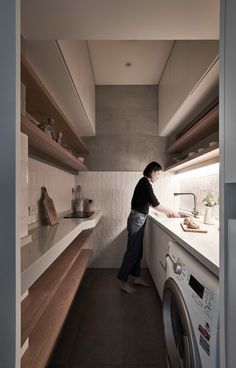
[(190, 311)]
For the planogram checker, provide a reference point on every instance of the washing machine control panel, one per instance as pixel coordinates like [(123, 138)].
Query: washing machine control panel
[(201, 295)]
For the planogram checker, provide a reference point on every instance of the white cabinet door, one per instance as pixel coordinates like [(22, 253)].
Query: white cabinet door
[(75, 98), (188, 63), (76, 56), (155, 248)]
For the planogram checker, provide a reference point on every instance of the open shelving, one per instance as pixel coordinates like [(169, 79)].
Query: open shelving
[(41, 105), (48, 302), (208, 124), (43, 146), (199, 159), (203, 128)]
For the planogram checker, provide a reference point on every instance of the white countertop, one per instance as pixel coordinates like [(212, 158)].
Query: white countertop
[(203, 246), (48, 243)]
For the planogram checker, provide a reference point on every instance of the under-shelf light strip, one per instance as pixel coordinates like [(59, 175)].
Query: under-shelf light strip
[(202, 171)]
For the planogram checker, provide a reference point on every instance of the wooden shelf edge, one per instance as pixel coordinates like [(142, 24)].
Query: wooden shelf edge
[(44, 289), (44, 335), (210, 155), (30, 75), (208, 124), (45, 147)]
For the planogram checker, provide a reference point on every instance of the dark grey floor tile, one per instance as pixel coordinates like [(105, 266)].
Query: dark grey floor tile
[(109, 328)]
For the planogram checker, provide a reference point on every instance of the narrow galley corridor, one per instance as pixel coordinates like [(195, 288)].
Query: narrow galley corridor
[(108, 328)]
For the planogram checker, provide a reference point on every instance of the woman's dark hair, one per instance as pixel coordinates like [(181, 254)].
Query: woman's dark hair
[(152, 166)]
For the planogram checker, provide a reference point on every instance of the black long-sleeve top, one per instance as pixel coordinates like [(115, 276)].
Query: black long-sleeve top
[(143, 196)]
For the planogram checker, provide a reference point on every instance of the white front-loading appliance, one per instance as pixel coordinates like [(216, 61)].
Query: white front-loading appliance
[(190, 311)]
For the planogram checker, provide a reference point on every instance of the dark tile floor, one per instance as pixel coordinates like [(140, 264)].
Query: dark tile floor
[(107, 328)]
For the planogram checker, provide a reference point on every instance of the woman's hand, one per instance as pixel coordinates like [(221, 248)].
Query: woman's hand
[(167, 211), (172, 214)]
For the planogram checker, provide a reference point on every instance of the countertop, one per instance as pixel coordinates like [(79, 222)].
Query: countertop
[(203, 246), (48, 242)]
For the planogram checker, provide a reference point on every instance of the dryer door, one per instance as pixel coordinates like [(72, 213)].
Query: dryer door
[(180, 340)]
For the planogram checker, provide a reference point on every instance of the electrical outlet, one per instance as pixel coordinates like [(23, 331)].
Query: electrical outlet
[(33, 210)]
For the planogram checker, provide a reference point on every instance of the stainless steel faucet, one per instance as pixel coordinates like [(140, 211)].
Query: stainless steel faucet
[(194, 211)]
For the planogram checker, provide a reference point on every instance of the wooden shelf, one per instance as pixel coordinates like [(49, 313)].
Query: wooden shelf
[(41, 105), (43, 146), (208, 124), (207, 157), (43, 290), (44, 335), (45, 308)]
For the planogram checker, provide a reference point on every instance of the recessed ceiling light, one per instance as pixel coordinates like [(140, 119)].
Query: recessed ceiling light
[(128, 64)]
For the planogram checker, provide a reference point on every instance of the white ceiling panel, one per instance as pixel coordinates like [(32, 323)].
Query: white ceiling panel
[(120, 19), (128, 62)]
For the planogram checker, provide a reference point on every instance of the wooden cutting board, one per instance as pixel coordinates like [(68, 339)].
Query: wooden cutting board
[(187, 229), (49, 207)]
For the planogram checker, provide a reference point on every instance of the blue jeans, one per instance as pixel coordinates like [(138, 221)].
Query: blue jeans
[(133, 255)]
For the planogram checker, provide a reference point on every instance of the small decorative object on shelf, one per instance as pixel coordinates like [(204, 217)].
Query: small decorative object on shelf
[(51, 127), (47, 125), (59, 137), (210, 203)]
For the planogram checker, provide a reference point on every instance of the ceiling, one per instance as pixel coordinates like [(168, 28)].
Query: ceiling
[(118, 32), (128, 62)]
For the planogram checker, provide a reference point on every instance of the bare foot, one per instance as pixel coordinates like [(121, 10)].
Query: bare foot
[(141, 282), (126, 287)]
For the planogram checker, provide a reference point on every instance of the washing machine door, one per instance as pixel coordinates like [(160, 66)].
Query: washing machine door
[(182, 349)]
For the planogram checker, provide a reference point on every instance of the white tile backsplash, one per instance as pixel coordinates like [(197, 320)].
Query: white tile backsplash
[(199, 186), (57, 182), (112, 193)]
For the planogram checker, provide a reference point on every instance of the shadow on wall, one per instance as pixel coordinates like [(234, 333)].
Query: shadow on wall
[(111, 255)]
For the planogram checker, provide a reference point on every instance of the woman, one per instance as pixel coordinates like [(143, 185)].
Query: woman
[(143, 197)]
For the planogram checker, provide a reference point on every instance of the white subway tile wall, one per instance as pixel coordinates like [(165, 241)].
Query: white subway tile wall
[(112, 193), (24, 185), (199, 186), (57, 182)]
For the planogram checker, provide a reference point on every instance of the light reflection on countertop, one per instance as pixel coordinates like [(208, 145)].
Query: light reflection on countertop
[(48, 242), (203, 246)]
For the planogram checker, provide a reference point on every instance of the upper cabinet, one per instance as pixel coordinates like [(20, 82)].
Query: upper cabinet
[(77, 59), (65, 69), (189, 83)]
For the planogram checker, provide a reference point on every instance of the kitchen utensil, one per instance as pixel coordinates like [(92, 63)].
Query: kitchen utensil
[(187, 229), (82, 204), (78, 191), (74, 194), (79, 205), (49, 207)]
